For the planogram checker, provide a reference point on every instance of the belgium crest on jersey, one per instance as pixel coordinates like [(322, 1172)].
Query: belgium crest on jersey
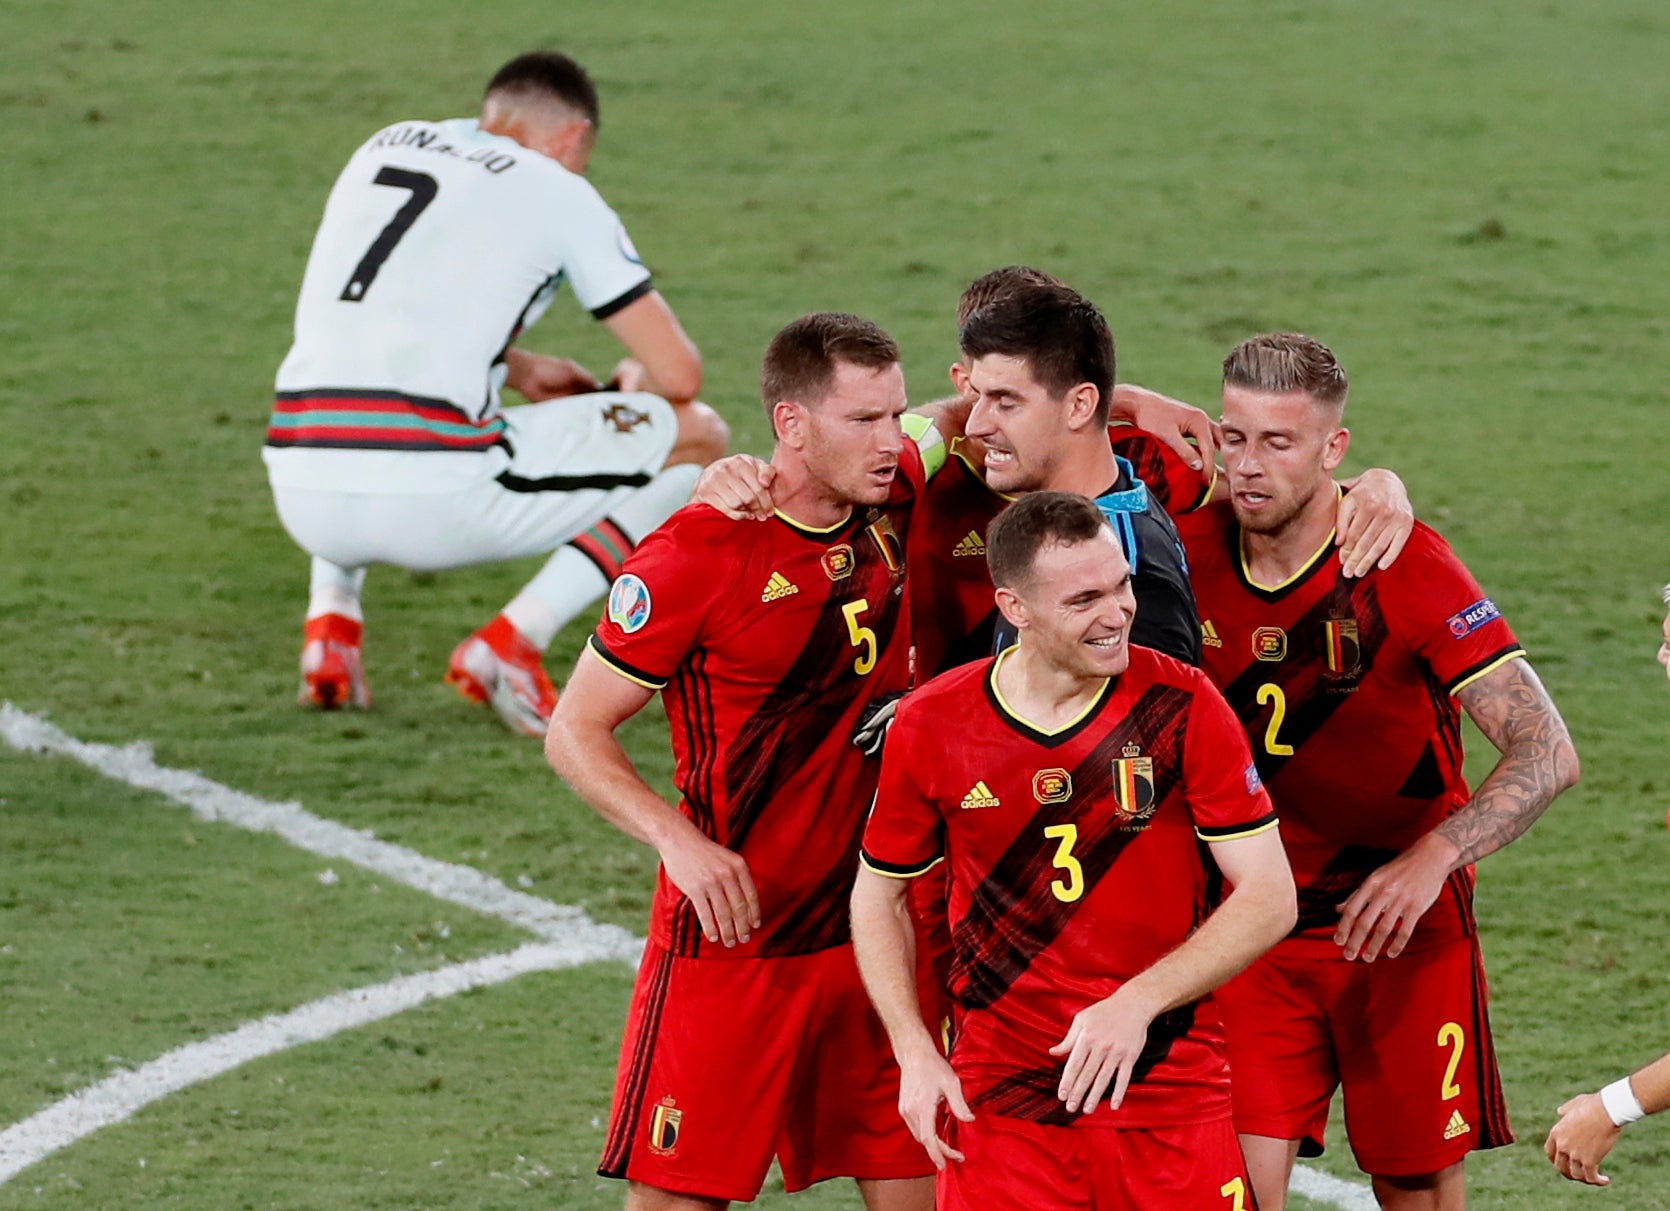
[(663, 1127), (1133, 788), (887, 541), (1341, 650)]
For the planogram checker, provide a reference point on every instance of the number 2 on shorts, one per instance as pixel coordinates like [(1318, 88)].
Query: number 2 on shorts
[(1452, 1036)]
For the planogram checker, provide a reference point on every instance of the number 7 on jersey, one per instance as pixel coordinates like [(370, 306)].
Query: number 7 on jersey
[(423, 189)]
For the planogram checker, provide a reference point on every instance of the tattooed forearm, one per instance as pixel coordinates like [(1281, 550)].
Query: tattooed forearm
[(1515, 713)]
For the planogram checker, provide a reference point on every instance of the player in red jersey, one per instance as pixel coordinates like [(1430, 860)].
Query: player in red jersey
[(1069, 784), (1351, 692), (749, 1034)]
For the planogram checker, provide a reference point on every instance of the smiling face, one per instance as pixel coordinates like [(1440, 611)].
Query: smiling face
[(1279, 452), (851, 440), (1025, 431), (1075, 605)]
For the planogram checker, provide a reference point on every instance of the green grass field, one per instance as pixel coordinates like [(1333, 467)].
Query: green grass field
[(1466, 201)]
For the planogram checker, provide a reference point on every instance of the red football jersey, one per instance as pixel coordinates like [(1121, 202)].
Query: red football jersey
[(1346, 688), (951, 588), (766, 640), (1176, 485), (1075, 863), (952, 608)]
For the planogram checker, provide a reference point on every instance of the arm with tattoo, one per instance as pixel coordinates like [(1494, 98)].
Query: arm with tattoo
[(1515, 713)]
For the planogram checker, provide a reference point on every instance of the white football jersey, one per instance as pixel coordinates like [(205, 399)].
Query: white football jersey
[(439, 244)]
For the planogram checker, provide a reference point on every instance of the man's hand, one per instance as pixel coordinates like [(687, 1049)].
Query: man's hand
[(1581, 1140), (926, 1080), (629, 376), (538, 376), (738, 486), (1392, 900), (1172, 421), (1102, 1047), (1375, 520), (718, 883)]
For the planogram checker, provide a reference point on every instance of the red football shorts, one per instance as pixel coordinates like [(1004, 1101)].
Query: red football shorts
[(1408, 1038), (729, 1062), (1013, 1163)]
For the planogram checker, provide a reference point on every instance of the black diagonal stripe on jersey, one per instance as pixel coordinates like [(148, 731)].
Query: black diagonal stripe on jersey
[(1034, 1093), (1320, 898), (1013, 915), (1426, 780), (825, 916), (1030, 1094), (805, 709), (1303, 677)]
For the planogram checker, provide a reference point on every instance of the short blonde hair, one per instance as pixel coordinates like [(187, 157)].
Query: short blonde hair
[(1279, 362)]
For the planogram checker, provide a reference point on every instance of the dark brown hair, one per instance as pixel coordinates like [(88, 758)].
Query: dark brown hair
[(1056, 330), (1032, 523), (800, 361), (986, 289)]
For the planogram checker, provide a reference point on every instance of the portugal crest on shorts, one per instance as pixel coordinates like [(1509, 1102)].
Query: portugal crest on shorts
[(1133, 789), (1341, 650), (664, 1122)]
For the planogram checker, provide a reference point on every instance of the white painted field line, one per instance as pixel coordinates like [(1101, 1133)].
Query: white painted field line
[(576, 939), (209, 800), (118, 1097), (1331, 1191)]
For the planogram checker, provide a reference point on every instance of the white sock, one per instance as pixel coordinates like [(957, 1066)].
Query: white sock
[(581, 572), (335, 590)]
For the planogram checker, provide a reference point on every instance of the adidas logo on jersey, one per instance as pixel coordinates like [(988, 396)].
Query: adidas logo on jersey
[(1458, 1126), (1209, 635), (969, 544), (980, 796), (778, 586)]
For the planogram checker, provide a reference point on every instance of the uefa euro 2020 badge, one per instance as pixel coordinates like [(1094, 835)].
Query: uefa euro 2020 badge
[(629, 603)]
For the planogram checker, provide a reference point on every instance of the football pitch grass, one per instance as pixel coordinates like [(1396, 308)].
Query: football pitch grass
[(1466, 201)]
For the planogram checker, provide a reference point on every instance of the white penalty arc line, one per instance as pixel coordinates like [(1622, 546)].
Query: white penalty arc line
[(135, 765), (572, 939), (119, 1097)]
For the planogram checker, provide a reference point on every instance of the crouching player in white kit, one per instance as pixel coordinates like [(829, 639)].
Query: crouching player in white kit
[(441, 242)]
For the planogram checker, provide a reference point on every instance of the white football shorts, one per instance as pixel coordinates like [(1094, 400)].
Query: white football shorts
[(568, 463)]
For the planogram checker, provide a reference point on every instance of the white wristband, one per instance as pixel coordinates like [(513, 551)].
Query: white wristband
[(1622, 1106)]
